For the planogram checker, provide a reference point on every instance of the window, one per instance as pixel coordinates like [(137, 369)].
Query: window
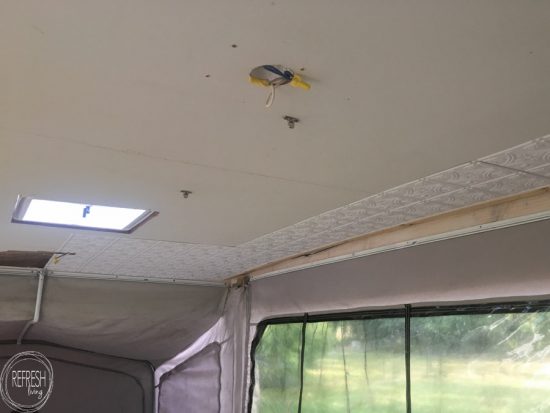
[(30, 210), (482, 358)]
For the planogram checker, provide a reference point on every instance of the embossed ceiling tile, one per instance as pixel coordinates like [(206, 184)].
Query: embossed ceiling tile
[(359, 214), (358, 228), (372, 225), (150, 256), (308, 244), (325, 222), (147, 259), (214, 275), (241, 254), (526, 156), (424, 189), (168, 249), (120, 251), (256, 262), (369, 206), (321, 240), (458, 187), (469, 174), (435, 185), (346, 232), (69, 263), (391, 200), (279, 239), (232, 266), (172, 260), (327, 238), (351, 213), (425, 209), (204, 250), (514, 184), (543, 170), (465, 197), (282, 241), (134, 269), (85, 248), (169, 272), (227, 267), (178, 253), (388, 220), (275, 255)]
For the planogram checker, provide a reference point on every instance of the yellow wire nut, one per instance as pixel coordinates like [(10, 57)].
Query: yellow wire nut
[(298, 82)]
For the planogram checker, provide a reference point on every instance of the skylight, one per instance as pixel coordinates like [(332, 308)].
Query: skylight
[(29, 210)]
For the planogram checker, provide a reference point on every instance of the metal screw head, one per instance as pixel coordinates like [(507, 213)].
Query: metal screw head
[(291, 120)]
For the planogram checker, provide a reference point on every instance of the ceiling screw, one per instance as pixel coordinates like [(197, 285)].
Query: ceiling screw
[(186, 193), (291, 121)]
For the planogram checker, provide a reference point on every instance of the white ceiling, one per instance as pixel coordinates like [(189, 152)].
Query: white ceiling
[(513, 171), (107, 102)]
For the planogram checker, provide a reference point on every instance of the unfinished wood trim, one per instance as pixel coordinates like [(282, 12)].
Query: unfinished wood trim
[(502, 209)]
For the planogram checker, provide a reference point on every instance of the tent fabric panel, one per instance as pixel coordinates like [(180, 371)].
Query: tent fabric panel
[(88, 389), (194, 386), (10, 330), (17, 297), (87, 382), (510, 262), (231, 332), (145, 321)]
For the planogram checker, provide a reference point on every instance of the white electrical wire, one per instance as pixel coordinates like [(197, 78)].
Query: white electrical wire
[(270, 97)]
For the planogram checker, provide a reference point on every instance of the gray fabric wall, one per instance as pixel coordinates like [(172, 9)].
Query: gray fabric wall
[(500, 265), (230, 334), (17, 298), (194, 386), (91, 383), (511, 262), (144, 321)]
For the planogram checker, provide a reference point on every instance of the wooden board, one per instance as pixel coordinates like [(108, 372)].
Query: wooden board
[(516, 206)]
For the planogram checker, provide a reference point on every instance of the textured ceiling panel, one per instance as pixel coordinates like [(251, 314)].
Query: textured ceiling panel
[(512, 184), (482, 180), (117, 103), (543, 170), (463, 197), (114, 256), (523, 157)]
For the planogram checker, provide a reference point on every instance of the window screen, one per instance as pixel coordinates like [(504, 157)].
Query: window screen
[(354, 366), (483, 363), (278, 368), (486, 359)]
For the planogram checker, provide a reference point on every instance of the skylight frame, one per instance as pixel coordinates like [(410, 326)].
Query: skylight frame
[(23, 202)]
